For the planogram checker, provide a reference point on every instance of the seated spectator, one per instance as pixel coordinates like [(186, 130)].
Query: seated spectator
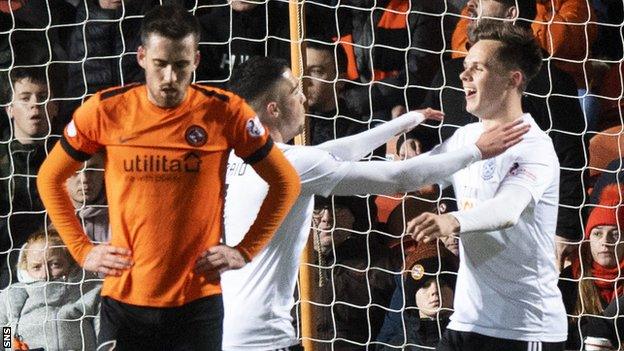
[(550, 99), (55, 307), (396, 46), (408, 147), (323, 88), (86, 190), (31, 117), (237, 30), (352, 281), (429, 286), (102, 49), (594, 279)]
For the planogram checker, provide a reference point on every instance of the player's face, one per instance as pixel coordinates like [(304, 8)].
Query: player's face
[(85, 186), (169, 66), (321, 69), (486, 8), (291, 106), (28, 110), (486, 84), (42, 263), (431, 298), (606, 245)]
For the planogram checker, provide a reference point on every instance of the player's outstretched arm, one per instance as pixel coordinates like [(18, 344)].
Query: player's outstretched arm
[(51, 185), (404, 176), (284, 188), (354, 147), (501, 211)]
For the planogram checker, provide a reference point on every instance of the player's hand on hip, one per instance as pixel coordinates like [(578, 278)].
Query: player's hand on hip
[(429, 226), (217, 260), (109, 260), (495, 140)]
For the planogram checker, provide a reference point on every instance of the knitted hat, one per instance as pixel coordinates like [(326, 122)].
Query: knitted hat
[(426, 261), (610, 211)]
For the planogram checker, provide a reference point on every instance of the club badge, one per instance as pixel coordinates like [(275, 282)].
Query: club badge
[(418, 271), (254, 127), (487, 171), (196, 136)]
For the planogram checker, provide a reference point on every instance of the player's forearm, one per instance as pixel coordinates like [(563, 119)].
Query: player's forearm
[(284, 188), (502, 211), (51, 185), (404, 176), (354, 147)]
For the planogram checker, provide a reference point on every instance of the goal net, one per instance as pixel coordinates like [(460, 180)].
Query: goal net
[(363, 63)]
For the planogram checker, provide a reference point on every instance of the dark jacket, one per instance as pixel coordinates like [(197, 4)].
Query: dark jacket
[(107, 45), (261, 31), (21, 209), (354, 290), (421, 334), (381, 52), (552, 102)]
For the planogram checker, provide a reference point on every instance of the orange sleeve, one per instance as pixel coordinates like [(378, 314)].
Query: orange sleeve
[(565, 36), (459, 40), (284, 188), (54, 171)]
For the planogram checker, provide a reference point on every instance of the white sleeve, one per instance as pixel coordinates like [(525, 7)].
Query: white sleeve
[(444, 147), (319, 171), (385, 177), (354, 147), (533, 170), (501, 211)]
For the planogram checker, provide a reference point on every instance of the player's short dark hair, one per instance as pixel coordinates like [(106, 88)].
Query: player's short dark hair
[(527, 10), (34, 74), (170, 21), (257, 77), (519, 49), (336, 50)]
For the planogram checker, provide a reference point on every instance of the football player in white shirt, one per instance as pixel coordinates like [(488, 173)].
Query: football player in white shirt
[(507, 296), (259, 297)]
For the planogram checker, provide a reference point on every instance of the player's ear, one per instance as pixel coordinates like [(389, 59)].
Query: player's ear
[(272, 110), (511, 13), (197, 58), (9, 110), (517, 79), (141, 56)]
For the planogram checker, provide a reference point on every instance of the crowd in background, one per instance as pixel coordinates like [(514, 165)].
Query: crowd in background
[(374, 286)]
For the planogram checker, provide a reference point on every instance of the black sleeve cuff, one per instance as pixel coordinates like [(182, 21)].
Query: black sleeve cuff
[(75, 154), (260, 154)]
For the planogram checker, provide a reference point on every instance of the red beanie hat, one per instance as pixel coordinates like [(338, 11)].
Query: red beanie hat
[(609, 211)]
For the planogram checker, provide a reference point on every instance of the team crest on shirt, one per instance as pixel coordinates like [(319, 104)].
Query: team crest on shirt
[(254, 127), (196, 135), (487, 171), (418, 271)]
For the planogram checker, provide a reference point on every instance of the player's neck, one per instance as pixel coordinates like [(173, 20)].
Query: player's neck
[(276, 135), (508, 113)]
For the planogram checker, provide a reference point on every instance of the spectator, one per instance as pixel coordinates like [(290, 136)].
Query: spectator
[(31, 114), (428, 286), (234, 32), (86, 190), (380, 36), (55, 307), (548, 99), (560, 26), (408, 147), (352, 275), (594, 279), (102, 48), (326, 66)]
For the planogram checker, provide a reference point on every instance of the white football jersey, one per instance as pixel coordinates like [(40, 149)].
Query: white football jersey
[(507, 280), (258, 297)]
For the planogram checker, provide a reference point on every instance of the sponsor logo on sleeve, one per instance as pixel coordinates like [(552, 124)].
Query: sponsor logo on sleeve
[(71, 129), (196, 136), (254, 127), (520, 171)]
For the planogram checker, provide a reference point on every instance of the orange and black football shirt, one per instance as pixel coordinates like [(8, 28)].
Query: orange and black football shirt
[(165, 175)]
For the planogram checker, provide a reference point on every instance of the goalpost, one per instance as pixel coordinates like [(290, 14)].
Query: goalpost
[(605, 145)]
